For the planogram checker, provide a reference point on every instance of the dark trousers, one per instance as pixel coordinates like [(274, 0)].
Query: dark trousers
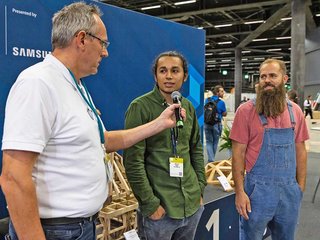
[(308, 111)]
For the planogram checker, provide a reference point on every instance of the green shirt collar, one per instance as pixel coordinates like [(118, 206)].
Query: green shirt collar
[(158, 96)]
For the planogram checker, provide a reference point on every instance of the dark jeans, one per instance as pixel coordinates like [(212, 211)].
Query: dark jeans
[(85, 230), (168, 228), (4, 226), (213, 133)]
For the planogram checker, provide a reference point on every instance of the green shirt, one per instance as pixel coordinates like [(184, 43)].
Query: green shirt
[(147, 162)]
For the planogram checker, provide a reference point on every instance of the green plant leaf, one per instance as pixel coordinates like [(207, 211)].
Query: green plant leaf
[(226, 142)]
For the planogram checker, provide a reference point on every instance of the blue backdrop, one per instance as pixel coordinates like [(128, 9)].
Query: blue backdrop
[(136, 39)]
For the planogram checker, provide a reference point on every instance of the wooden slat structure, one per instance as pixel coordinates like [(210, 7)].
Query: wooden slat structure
[(120, 215), (219, 168)]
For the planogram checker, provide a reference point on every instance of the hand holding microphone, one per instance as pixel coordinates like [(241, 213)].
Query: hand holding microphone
[(176, 97)]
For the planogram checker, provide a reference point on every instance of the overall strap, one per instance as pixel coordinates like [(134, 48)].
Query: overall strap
[(293, 122), (263, 119)]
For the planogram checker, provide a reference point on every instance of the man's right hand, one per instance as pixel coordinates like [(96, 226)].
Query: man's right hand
[(243, 205), (159, 213)]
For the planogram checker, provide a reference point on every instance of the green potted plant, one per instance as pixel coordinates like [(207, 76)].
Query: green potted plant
[(226, 142)]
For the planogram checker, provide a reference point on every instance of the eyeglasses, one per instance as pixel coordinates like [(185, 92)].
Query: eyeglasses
[(104, 44)]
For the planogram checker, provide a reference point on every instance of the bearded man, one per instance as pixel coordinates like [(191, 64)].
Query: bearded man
[(268, 143)]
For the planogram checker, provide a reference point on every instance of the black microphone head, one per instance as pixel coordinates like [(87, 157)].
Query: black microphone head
[(176, 95)]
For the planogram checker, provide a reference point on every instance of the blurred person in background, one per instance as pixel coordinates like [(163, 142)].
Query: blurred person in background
[(213, 130)]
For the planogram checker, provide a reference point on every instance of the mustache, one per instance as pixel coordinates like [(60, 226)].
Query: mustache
[(268, 85), (271, 103)]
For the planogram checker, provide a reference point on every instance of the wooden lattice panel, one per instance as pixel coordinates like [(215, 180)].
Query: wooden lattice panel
[(119, 216), (120, 184), (219, 168)]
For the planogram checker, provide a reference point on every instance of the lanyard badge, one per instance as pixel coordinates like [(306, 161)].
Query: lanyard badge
[(175, 163), (93, 113), (176, 167)]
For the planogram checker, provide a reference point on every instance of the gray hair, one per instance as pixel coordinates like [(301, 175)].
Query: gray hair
[(72, 19)]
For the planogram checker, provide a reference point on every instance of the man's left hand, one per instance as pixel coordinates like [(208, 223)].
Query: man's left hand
[(158, 213)]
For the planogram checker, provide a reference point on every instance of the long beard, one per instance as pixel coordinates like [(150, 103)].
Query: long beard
[(271, 103)]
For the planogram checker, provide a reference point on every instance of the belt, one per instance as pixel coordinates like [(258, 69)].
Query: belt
[(66, 220)]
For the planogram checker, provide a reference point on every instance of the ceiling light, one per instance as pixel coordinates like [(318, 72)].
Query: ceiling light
[(224, 53), (246, 51), (254, 22), (209, 54), (200, 27), (226, 60), (207, 44), (224, 65), (278, 57), (211, 65), (151, 7), (258, 58), (259, 39), (286, 18), (274, 50), (244, 59), (223, 25), (318, 15), (184, 2), (211, 61), (222, 43), (281, 38)]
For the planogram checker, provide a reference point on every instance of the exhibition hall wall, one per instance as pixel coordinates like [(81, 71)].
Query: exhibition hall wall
[(312, 82), (136, 39)]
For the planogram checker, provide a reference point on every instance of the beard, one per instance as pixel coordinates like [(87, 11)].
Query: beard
[(272, 102)]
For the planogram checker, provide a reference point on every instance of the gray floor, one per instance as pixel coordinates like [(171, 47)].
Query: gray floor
[(309, 224)]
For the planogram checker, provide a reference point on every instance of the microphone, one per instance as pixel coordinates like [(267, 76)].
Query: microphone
[(176, 97)]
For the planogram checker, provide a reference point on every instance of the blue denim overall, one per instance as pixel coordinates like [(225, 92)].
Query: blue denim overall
[(271, 185)]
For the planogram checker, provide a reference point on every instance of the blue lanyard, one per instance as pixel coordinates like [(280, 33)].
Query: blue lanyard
[(174, 140), (174, 133), (90, 104)]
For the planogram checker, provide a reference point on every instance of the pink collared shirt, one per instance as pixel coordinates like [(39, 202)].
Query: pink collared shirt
[(248, 129)]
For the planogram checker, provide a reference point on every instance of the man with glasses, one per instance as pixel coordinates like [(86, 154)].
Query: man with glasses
[(54, 141), (104, 44)]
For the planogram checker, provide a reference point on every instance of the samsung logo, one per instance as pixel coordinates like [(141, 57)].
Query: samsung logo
[(29, 52)]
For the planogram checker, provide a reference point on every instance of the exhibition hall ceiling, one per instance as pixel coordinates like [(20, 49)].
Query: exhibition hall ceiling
[(262, 28)]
